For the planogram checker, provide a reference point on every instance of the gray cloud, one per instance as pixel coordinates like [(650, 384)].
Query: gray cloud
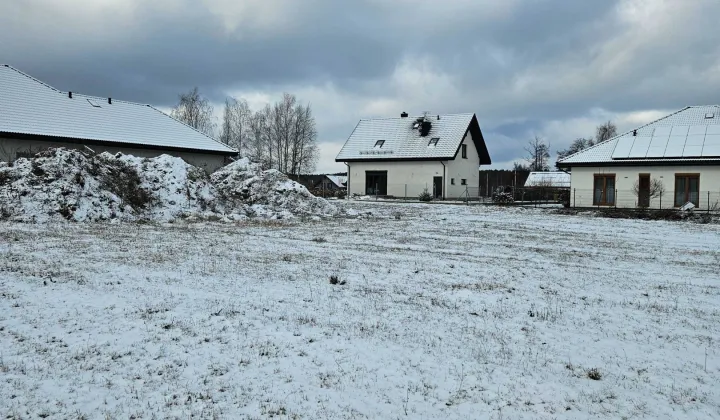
[(522, 66)]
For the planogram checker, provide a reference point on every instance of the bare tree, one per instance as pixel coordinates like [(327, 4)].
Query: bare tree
[(195, 110), (235, 121), (654, 190), (538, 154), (605, 132), (519, 166), (283, 136), (577, 145)]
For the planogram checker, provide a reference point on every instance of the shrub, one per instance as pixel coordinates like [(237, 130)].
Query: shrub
[(425, 195), (341, 193), (594, 374), (335, 279), (6, 177)]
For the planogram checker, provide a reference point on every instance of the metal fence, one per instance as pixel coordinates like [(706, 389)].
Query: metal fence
[(418, 191), (585, 198)]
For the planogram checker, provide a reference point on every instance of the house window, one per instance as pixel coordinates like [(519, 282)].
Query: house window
[(379, 144), (452, 181), (687, 188), (463, 181), (433, 142), (604, 190), (464, 151)]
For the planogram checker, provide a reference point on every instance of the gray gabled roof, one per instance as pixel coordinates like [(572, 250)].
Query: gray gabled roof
[(548, 179), (690, 135), (402, 139), (31, 108)]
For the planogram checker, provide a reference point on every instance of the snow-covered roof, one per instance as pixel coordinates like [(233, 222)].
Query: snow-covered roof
[(31, 107), (338, 180), (548, 179), (400, 138), (691, 134)]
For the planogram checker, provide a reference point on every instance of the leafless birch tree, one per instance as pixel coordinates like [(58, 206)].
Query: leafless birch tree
[(196, 111)]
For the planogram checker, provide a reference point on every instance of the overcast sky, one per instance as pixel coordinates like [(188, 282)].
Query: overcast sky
[(555, 68)]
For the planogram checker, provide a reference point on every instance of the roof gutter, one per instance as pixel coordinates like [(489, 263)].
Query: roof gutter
[(110, 143)]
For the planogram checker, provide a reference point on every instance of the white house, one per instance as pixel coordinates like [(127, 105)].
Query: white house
[(401, 157), (665, 163), (35, 116)]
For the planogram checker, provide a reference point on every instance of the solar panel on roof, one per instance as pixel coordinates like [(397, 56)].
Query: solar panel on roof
[(640, 147), (622, 148), (679, 130), (695, 140), (711, 150), (692, 151), (661, 131), (712, 140), (657, 147), (675, 147), (713, 129), (697, 130)]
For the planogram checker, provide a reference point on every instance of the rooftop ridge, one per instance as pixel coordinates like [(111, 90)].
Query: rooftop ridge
[(32, 78), (74, 93), (82, 95), (410, 117)]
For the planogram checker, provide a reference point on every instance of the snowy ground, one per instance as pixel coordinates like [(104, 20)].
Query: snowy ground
[(447, 312)]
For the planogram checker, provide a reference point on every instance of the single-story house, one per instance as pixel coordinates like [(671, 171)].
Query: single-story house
[(405, 156), (321, 181), (335, 182), (35, 116), (309, 181), (666, 163)]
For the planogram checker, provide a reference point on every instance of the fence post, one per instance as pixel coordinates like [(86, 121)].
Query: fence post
[(660, 200), (376, 191), (574, 189), (405, 196), (708, 207)]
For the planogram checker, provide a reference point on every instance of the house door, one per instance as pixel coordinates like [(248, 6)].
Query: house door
[(376, 182), (644, 190), (438, 187)]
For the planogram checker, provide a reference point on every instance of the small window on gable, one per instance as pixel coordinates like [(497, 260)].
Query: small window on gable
[(433, 141), (379, 144), (452, 181), (463, 181), (93, 103), (464, 151)]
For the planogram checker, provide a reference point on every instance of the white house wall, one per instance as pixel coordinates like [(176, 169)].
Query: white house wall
[(403, 178), (460, 168), (582, 179)]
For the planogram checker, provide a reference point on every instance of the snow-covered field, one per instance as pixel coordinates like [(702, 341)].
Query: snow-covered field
[(445, 312)]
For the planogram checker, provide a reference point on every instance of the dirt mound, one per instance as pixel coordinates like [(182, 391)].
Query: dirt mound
[(75, 185), (244, 183)]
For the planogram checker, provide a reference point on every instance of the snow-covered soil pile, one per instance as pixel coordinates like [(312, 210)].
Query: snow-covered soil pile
[(243, 183), (437, 312), (71, 184)]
